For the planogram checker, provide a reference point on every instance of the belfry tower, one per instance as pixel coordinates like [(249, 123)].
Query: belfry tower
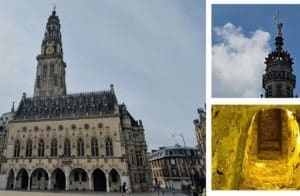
[(279, 80), (50, 72)]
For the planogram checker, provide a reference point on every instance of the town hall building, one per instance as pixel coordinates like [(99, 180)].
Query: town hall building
[(60, 141)]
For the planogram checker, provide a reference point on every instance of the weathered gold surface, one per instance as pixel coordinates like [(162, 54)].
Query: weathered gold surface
[(255, 147)]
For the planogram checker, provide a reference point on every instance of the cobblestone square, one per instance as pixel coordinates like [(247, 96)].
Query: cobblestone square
[(31, 193)]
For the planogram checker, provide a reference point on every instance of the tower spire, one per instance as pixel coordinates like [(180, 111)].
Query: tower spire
[(279, 80), (279, 38), (54, 9), (279, 24), (50, 73)]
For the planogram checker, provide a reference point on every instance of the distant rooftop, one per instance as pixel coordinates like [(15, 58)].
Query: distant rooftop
[(173, 151)]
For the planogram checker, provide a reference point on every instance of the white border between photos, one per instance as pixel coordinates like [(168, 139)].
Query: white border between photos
[(234, 101)]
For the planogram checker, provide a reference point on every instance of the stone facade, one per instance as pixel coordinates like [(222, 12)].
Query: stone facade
[(4, 120), (279, 80), (171, 166), (84, 141)]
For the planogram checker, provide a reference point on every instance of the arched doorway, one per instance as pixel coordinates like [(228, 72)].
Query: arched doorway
[(114, 181), (39, 179), (99, 180), (22, 180), (79, 180), (271, 143), (58, 179), (10, 179)]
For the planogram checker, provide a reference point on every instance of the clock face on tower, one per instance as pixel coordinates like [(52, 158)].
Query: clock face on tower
[(49, 50)]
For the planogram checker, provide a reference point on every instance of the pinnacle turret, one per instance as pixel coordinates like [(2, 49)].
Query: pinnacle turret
[(279, 80)]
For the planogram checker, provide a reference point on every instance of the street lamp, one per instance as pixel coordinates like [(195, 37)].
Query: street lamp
[(181, 135)]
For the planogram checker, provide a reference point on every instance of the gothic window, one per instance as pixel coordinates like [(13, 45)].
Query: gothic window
[(58, 48), (38, 82), (94, 144), (279, 90), (109, 147), (41, 148), (45, 71), (55, 80), (132, 158), (51, 70), (62, 80), (29, 148), (17, 149), (67, 148), (54, 148), (139, 158), (136, 178), (142, 178), (80, 147), (269, 91), (73, 127)]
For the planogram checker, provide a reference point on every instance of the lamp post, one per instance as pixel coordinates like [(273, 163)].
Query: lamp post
[(181, 135)]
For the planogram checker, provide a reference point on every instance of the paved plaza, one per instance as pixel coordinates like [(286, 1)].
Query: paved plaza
[(34, 193)]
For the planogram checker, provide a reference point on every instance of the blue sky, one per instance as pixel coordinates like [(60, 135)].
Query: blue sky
[(152, 51), (258, 19)]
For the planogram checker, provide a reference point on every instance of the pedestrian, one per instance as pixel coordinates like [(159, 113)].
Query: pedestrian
[(158, 187), (195, 182), (124, 188)]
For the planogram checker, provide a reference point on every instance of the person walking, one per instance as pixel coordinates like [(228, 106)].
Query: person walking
[(124, 189), (158, 187), (195, 182)]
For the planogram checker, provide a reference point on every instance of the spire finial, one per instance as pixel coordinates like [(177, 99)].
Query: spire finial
[(54, 9), (279, 24)]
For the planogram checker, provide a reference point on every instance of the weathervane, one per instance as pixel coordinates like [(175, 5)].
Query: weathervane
[(279, 24), (54, 6)]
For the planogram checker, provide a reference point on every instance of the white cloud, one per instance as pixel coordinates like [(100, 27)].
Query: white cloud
[(238, 61)]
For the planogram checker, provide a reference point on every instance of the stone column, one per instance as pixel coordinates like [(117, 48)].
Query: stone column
[(107, 183), (29, 183), (15, 181), (49, 182), (67, 181), (90, 182)]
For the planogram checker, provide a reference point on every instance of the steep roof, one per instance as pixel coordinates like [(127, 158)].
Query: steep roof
[(81, 104)]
